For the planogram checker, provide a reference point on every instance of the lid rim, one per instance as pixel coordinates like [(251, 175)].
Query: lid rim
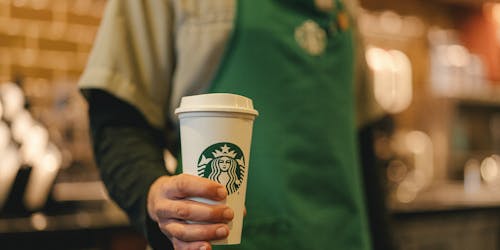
[(216, 102), (216, 109)]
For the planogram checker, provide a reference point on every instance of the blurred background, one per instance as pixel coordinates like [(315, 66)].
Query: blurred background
[(435, 70)]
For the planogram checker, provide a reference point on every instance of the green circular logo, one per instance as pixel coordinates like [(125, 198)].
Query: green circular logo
[(224, 163)]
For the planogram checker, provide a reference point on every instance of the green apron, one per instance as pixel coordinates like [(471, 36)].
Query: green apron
[(304, 189)]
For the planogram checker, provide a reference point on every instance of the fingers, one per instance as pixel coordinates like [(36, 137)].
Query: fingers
[(186, 232), (184, 185), (198, 245), (167, 205), (193, 211)]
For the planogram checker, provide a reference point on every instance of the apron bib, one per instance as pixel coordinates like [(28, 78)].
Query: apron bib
[(296, 64)]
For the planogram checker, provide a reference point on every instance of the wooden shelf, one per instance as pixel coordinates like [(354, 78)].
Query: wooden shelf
[(108, 215), (471, 3), (449, 196), (488, 95)]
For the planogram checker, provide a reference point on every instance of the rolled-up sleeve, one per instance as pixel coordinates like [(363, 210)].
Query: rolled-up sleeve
[(133, 58)]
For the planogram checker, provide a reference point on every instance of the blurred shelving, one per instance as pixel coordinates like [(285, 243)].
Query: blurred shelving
[(450, 196), (485, 95), (47, 39), (470, 3), (44, 45), (86, 215), (478, 99)]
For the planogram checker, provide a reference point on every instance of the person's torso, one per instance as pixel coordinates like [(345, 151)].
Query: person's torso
[(297, 66)]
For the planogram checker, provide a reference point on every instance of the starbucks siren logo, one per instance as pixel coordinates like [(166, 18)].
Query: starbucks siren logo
[(224, 163)]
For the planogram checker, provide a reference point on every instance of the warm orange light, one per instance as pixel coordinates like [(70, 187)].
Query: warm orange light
[(492, 10), (495, 12)]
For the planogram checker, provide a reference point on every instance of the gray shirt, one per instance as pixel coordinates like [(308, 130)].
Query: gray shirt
[(150, 53)]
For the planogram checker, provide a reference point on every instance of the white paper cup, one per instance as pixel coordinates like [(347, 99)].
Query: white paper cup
[(216, 133)]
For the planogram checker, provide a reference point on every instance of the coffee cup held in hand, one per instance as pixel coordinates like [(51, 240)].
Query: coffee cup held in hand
[(216, 133)]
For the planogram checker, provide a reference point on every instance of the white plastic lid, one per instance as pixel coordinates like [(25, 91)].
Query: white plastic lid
[(218, 102)]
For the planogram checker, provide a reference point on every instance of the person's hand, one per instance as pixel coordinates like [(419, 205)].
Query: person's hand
[(168, 206)]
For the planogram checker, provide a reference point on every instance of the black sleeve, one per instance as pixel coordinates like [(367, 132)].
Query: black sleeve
[(378, 214), (129, 155)]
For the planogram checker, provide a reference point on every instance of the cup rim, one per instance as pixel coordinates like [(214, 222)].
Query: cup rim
[(214, 102)]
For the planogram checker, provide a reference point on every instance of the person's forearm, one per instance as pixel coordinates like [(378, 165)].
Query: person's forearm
[(129, 154)]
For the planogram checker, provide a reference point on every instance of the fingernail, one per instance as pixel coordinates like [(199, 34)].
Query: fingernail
[(203, 248), (228, 214), (221, 232), (221, 192)]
